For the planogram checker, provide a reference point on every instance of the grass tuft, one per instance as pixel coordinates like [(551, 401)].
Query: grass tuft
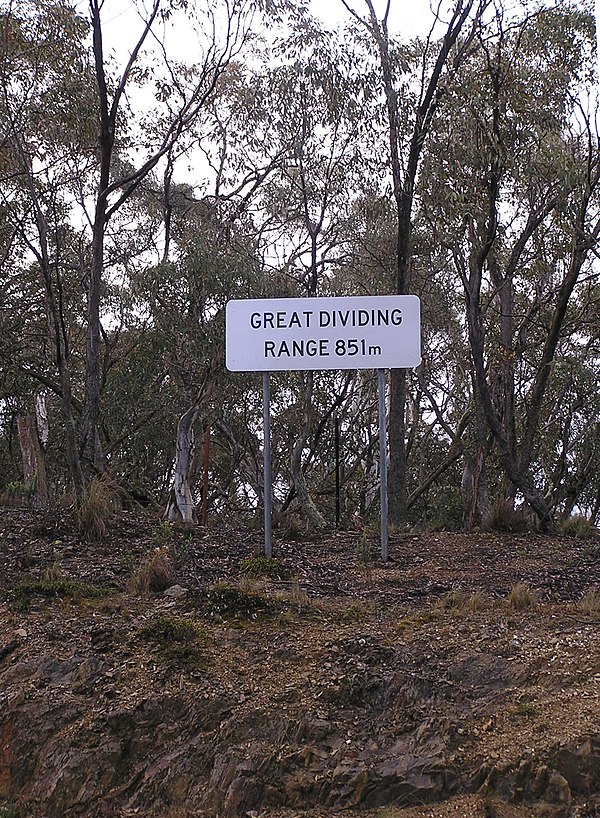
[(522, 597), (590, 601), (504, 518), (578, 527), (155, 574), (269, 567), (97, 509)]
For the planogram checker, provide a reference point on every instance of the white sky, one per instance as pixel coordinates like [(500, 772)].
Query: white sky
[(407, 18)]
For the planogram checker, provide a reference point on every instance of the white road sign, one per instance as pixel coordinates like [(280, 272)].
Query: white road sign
[(357, 332)]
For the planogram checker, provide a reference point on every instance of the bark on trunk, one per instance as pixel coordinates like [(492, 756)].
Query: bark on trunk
[(181, 505), (305, 503), (34, 469)]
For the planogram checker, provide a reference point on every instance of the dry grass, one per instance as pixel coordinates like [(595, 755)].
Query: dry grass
[(97, 509), (578, 527), (590, 601), (155, 574), (463, 602), (521, 597), (504, 518)]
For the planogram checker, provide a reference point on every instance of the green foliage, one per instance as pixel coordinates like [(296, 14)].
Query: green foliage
[(262, 566), (230, 601), (578, 527), (162, 533), (178, 641), (285, 138), (444, 509), (21, 596)]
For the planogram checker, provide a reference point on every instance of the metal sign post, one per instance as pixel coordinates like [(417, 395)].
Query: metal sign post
[(268, 488), (383, 466)]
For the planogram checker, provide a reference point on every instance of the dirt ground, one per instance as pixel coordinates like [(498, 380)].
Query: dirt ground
[(461, 679)]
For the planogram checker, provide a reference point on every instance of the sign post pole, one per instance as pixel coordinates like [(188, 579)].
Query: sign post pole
[(383, 466), (268, 488), (337, 471)]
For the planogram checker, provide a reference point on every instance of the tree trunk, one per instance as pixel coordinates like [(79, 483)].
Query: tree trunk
[(91, 404), (404, 177), (305, 503), (34, 469), (181, 504)]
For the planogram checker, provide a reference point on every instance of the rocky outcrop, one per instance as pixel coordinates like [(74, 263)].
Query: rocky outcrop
[(77, 760)]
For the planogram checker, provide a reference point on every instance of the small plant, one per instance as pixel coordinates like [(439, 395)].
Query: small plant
[(363, 554), (178, 641), (590, 601), (522, 597), (53, 573), (592, 550), (17, 494), (455, 600), (504, 518), (162, 533), (578, 527), (155, 574), (298, 595), (269, 567), (236, 602), (293, 527), (8, 809), (96, 511), (412, 621), (20, 597), (524, 709)]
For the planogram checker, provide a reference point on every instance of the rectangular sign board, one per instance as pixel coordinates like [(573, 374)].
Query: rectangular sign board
[(355, 332)]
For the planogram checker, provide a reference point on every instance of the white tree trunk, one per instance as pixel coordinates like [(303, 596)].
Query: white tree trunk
[(181, 505)]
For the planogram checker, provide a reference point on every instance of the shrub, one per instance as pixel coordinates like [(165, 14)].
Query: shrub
[(269, 567), (20, 597), (577, 526), (504, 518), (230, 601), (155, 574), (177, 641), (17, 494)]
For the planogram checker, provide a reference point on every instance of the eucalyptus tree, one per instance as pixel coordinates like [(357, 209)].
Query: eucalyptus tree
[(185, 92), (409, 118), (78, 136), (47, 143), (514, 183), (285, 163)]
